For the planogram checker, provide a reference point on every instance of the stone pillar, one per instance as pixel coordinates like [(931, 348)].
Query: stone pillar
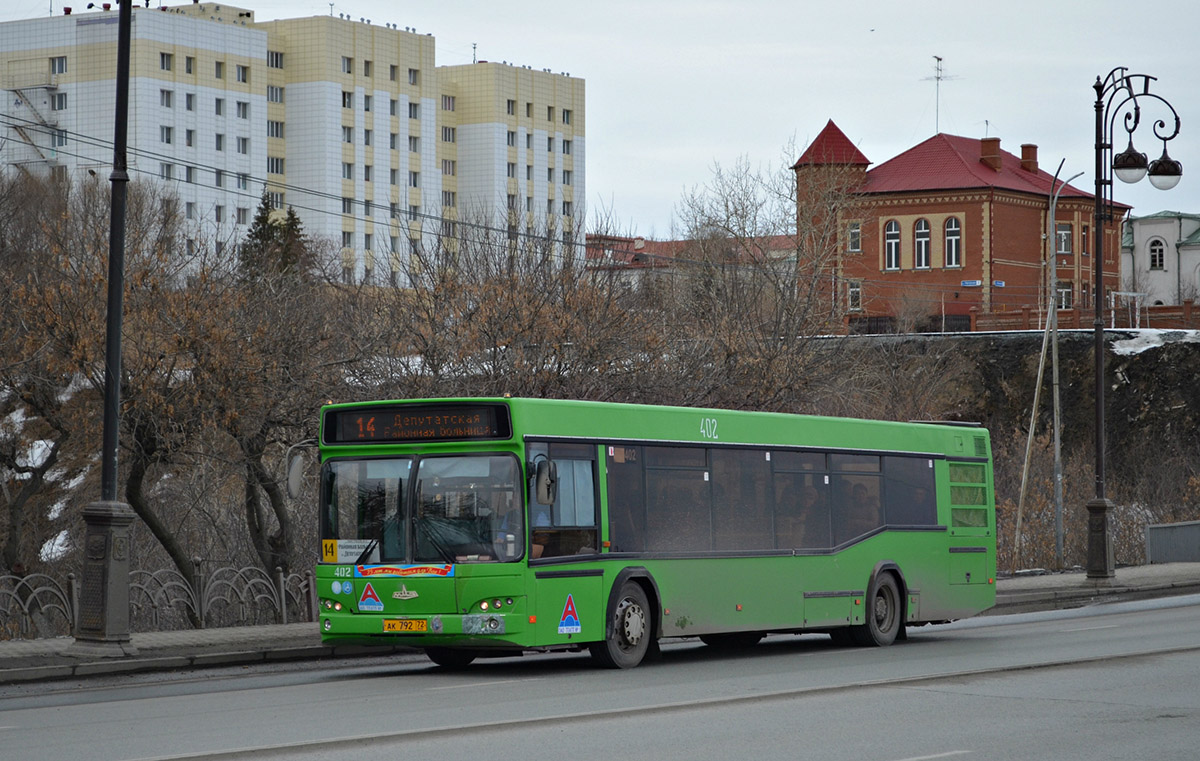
[(102, 620), (1100, 563)]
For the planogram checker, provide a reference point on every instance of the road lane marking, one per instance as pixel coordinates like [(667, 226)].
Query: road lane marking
[(1088, 629), (947, 754), (481, 684)]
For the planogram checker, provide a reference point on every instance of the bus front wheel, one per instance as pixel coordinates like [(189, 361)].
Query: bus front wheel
[(629, 630), (884, 614)]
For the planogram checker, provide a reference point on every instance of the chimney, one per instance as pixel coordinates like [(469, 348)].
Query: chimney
[(989, 152), (1029, 157)]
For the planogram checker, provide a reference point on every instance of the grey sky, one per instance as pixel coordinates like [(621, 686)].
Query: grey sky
[(673, 86)]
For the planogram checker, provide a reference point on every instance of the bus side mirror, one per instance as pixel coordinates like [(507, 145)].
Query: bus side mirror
[(546, 482), (294, 473)]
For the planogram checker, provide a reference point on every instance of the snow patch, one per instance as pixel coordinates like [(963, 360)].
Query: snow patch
[(56, 510), (1144, 340), (56, 548)]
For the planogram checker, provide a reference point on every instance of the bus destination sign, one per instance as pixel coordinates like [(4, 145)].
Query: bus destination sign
[(383, 425)]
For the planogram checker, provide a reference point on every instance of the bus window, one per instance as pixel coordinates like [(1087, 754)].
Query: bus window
[(801, 511), (909, 491), (568, 527), (365, 501), (856, 508), (467, 510), (626, 499), (678, 500), (741, 508)]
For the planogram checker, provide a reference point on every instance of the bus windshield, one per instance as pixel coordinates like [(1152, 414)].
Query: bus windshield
[(449, 509)]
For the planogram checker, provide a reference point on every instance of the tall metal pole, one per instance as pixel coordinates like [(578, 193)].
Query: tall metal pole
[(1052, 326), (102, 627)]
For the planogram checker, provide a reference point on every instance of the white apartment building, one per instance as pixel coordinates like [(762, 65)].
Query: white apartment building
[(349, 122)]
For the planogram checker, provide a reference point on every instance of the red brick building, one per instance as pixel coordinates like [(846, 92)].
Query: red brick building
[(950, 227)]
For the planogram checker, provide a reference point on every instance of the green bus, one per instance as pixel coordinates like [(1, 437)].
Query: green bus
[(494, 526)]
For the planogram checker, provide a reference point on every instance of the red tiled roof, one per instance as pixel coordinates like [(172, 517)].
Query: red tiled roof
[(831, 146), (949, 161)]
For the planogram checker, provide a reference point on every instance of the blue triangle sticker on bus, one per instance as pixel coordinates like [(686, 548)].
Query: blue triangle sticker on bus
[(569, 622), (370, 600)]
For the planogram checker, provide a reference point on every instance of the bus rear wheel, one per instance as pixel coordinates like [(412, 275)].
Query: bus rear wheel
[(884, 614), (629, 628), (450, 658)]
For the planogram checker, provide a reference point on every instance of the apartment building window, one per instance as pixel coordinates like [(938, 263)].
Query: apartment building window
[(528, 110), (347, 134), (275, 165), (414, 144), (529, 204), (58, 64), (449, 135), (366, 103), (58, 138), (567, 209), (243, 145), (510, 107), (414, 179), (566, 177), (220, 142), (347, 99), (189, 101), (393, 107), (274, 94), (219, 106), (1158, 253), (274, 59), (366, 137), (414, 212), (550, 174), (394, 176), (189, 65), (549, 207), (953, 243), (189, 137), (347, 65), (243, 215), (165, 134), (58, 102), (243, 181), (166, 98), (166, 171), (347, 170), (189, 175), (921, 244), (276, 199), (854, 237), (511, 138), (393, 72), (394, 213), (414, 110), (448, 198), (449, 166), (393, 141), (549, 145), (529, 141), (347, 205), (1063, 236), (447, 102), (368, 173), (854, 296), (242, 73), (1064, 291), (219, 178), (566, 146), (414, 76), (274, 128), (219, 70), (243, 109), (366, 68), (512, 202), (529, 172), (512, 169), (891, 246), (566, 116), (347, 239), (219, 213), (549, 113), (165, 61)]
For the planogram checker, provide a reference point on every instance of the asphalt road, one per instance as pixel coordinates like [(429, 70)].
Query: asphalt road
[(1108, 681)]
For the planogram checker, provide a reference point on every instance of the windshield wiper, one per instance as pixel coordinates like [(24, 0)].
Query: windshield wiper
[(366, 553)]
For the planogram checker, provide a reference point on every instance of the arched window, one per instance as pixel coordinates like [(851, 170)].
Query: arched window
[(1158, 254), (921, 244), (891, 245), (953, 243)]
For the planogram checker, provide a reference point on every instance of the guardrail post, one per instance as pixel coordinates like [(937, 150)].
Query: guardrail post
[(281, 591)]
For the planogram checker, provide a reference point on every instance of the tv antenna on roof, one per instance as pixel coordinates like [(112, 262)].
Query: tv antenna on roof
[(937, 77)]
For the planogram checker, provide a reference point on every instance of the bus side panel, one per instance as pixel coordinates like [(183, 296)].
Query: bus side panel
[(702, 596), (569, 609)]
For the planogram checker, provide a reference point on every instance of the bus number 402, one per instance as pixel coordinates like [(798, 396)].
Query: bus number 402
[(708, 428)]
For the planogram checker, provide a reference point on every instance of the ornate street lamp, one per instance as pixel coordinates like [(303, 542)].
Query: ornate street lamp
[(1118, 94)]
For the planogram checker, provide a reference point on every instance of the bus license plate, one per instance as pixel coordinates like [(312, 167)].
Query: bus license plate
[(405, 625)]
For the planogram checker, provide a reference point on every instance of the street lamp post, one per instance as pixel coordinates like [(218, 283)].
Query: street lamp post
[(1119, 94)]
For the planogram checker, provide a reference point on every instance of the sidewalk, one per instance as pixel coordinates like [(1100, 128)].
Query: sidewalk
[(61, 658)]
